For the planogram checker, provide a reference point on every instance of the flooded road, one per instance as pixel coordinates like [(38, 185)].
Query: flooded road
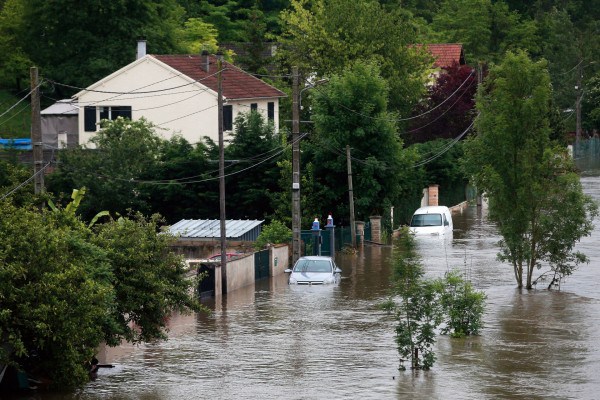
[(272, 341)]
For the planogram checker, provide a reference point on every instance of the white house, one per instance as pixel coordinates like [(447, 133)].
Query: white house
[(178, 94)]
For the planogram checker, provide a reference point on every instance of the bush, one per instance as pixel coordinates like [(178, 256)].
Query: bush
[(274, 233)]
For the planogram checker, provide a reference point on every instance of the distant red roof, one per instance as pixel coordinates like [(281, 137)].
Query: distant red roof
[(237, 84), (446, 55)]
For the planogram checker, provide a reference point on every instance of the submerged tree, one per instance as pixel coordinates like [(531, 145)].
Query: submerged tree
[(535, 197), (423, 305)]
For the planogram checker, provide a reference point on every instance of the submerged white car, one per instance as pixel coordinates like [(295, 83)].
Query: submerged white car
[(432, 220), (314, 270)]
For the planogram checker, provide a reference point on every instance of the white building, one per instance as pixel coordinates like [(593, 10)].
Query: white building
[(178, 94)]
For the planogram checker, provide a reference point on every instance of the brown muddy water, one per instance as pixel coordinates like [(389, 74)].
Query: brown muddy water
[(272, 341)]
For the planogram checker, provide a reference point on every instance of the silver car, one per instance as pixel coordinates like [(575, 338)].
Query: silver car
[(314, 270)]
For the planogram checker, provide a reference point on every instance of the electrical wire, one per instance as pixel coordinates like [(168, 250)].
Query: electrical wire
[(446, 148)]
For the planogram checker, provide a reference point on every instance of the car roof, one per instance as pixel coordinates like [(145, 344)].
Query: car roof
[(315, 258), (432, 210)]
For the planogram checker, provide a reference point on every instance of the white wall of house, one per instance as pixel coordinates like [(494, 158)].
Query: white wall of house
[(173, 102)]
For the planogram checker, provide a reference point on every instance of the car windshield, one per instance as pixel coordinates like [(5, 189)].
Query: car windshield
[(426, 220), (313, 266)]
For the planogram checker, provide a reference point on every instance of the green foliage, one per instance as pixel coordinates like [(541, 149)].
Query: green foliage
[(326, 37), (149, 281), (108, 30), (526, 180), (12, 175), (170, 177), (197, 35), (379, 164), (14, 64), (254, 151), (591, 104), (463, 305), (487, 29), (274, 233), (15, 122), (417, 311), (65, 289), (53, 304), (422, 305)]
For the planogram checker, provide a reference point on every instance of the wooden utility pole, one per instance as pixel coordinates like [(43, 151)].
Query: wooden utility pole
[(296, 220), (36, 133), (351, 197), (221, 163)]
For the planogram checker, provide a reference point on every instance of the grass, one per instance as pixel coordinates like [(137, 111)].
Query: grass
[(16, 123)]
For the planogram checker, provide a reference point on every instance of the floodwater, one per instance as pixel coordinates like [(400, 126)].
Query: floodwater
[(272, 341)]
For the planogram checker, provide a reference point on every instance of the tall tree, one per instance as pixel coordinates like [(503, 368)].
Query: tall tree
[(486, 28), (448, 109), (527, 181), (325, 37), (97, 37), (351, 110), (252, 177), (172, 178), (14, 64)]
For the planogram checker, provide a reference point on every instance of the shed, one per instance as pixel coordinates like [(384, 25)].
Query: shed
[(210, 229), (60, 124)]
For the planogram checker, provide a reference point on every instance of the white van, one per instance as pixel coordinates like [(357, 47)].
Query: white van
[(431, 220)]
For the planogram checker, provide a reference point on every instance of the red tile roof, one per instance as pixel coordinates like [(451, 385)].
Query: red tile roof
[(237, 84), (446, 54)]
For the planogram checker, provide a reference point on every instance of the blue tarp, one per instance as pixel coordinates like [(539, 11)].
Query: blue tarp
[(18, 144)]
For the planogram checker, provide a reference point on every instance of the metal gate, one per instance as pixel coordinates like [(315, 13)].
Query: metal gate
[(261, 264), (206, 287)]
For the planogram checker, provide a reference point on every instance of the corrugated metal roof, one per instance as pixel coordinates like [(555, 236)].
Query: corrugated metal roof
[(62, 107), (211, 228)]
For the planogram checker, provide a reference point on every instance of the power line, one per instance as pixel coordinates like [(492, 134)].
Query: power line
[(446, 148)]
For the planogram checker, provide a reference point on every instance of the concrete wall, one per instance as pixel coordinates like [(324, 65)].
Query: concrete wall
[(240, 273), (279, 259)]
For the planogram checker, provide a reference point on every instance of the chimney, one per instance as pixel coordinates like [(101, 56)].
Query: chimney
[(433, 195), (205, 60), (141, 49)]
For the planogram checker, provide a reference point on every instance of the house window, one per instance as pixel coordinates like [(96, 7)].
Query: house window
[(89, 119), (91, 115), (253, 106), (227, 118), (271, 110)]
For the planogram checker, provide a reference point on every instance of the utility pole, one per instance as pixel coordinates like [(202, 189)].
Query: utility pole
[(351, 197), (578, 107), (221, 163), (296, 220), (36, 133)]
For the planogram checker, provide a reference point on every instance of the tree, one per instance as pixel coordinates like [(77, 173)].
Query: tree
[(97, 38), (423, 305), (527, 181), (448, 108), (326, 37), (148, 278), (14, 64), (486, 28), (252, 178), (66, 288), (352, 110), (56, 293), (170, 177)]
